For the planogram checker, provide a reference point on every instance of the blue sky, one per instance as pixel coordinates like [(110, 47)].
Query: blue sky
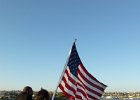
[(36, 36)]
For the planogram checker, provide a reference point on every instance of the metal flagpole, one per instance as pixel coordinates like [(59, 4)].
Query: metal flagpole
[(60, 79), (62, 74)]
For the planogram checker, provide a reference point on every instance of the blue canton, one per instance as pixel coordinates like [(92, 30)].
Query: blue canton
[(74, 61)]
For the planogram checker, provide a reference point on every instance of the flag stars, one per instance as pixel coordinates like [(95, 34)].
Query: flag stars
[(74, 61), (75, 85)]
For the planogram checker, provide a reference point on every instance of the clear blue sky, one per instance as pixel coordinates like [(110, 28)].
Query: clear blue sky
[(36, 36)]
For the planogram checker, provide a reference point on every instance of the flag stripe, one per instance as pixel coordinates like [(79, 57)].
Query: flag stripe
[(86, 94), (89, 82), (93, 78), (77, 83), (90, 92), (66, 88), (82, 91), (88, 85), (90, 77), (65, 93), (70, 78), (69, 83)]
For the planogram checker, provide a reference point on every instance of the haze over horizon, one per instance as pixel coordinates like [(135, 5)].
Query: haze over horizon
[(36, 36)]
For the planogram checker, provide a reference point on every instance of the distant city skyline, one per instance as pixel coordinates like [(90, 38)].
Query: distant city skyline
[(36, 36)]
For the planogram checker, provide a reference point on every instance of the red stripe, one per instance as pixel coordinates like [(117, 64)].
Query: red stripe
[(92, 91), (72, 80), (66, 94), (68, 86), (75, 83), (93, 97), (90, 74), (81, 84), (89, 89), (92, 84), (78, 97), (83, 93)]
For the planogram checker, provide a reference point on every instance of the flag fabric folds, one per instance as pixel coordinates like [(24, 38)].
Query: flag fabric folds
[(77, 83)]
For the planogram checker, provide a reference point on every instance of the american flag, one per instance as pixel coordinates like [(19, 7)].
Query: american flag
[(77, 83)]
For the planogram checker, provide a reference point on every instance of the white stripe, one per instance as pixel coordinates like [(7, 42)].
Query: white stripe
[(89, 86), (83, 97), (81, 88), (71, 75), (66, 90), (69, 82), (89, 78), (77, 99), (88, 92)]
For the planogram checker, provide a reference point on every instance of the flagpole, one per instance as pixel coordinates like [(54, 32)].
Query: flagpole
[(60, 79), (65, 66)]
